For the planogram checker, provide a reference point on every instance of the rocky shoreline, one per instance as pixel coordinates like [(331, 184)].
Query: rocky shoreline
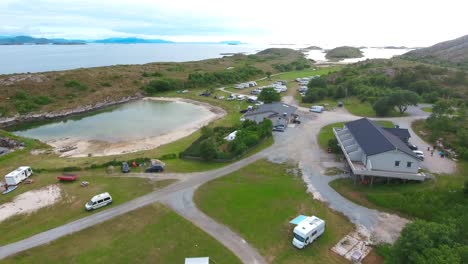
[(10, 121)]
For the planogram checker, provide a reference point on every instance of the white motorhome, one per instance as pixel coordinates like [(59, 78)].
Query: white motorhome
[(98, 201), (307, 231), (18, 175), (316, 108)]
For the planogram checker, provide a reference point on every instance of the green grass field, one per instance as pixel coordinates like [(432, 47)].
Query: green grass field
[(356, 107), (428, 200), (71, 206), (326, 132), (152, 234), (258, 202), (427, 109)]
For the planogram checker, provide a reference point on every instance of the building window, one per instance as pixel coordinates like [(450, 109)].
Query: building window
[(397, 163), (408, 164)]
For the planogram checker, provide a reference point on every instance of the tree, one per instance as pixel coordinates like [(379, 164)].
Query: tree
[(208, 149), (269, 95), (268, 74), (383, 106), (426, 242), (402, 99)]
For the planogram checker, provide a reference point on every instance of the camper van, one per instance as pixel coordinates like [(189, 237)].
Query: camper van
[(98, 201), (316, 109), (307, 231), (18, 175)]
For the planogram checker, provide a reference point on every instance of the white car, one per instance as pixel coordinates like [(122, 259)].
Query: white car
[(98, 201), (419, 154)]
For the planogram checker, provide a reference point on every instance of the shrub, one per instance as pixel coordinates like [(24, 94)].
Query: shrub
[(333, 145), (157, 86), (168, 156), (269, 95), (69, 169), (76, 85)]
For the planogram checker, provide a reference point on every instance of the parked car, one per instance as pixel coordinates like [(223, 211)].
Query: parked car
[(125, 168), (98, 201), (206, 94), (231, 97), (412, 146), (155, 168), (419, 154), (243, 111), (279, 128)]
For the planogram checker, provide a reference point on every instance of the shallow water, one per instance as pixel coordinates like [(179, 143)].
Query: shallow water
[(131, 121), (41, 58)]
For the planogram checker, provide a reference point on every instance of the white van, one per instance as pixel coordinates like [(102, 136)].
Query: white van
[(98, 201), (18, 175), (316, 108), (307, 231)]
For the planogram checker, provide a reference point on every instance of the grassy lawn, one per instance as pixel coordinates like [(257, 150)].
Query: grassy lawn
[(258, 202), (152, 234), (71, 206), (430, 200), (427, 109), (326, 133), (356, 107)]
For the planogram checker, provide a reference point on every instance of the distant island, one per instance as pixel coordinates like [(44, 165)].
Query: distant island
[(27, 40), (344, 52), (311, 48)]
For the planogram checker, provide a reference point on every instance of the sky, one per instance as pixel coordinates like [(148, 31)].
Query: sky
[(324, 23)]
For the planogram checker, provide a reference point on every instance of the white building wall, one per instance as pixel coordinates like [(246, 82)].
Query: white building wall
[(386, 161)]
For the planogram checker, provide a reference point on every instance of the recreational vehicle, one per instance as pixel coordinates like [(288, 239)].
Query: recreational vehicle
[(307, 231), (18, 175)]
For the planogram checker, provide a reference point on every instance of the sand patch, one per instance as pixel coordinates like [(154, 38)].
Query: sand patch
[(72, 147), (31, 201)]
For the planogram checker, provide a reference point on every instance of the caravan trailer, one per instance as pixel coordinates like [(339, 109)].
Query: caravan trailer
[(18, 175), (307, 231)]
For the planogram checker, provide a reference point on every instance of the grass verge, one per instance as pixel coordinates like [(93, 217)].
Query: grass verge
[(356, 107), (71, 205), (152, 234), (258, 202)]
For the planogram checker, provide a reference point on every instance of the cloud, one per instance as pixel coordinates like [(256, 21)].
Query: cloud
[(331, 22)]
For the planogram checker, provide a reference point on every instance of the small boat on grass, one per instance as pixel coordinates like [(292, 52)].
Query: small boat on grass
[(10, 189)]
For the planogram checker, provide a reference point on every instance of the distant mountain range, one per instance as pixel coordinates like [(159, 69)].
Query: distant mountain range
[(453, 52), (27, 40)]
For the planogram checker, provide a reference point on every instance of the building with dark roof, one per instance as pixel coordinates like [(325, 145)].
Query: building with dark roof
[(376, 151), (278, 113)]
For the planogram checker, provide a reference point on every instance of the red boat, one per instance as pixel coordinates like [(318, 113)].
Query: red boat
[(68, 177)]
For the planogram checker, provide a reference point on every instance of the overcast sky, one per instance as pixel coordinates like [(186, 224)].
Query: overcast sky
[(325, 23)]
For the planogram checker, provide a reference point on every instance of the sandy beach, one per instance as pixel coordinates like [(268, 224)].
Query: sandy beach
[(84, 148), (30, 201)]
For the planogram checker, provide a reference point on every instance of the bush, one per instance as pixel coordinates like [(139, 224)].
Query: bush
[(24, 107), (383, 106), (157, 86), (333, 145), (168, 156), (269, 95), (465, 188), (154, 74), (76, 85), (69, 169)]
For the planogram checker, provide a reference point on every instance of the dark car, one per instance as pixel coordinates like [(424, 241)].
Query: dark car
[(207, 94), (279, 128), (243, 111), (155, 168), (125, 168), (412, 147)]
